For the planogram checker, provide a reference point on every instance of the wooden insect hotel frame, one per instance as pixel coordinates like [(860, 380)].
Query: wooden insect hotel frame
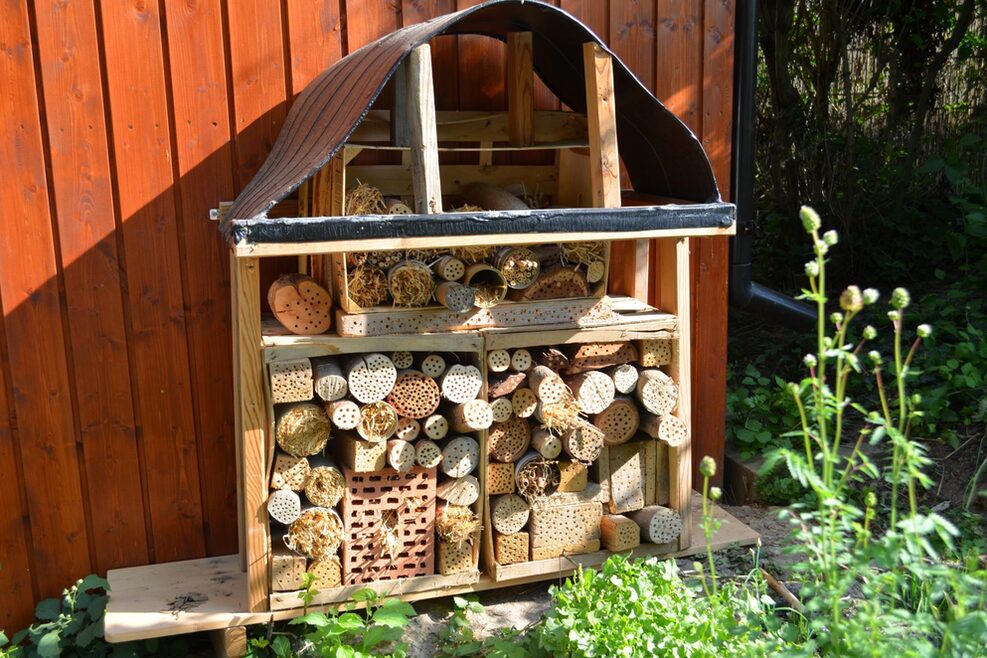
[(573, 441)]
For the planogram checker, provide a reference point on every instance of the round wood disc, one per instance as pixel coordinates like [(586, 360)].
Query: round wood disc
[(415, 395), (300, 304), (506, 442)]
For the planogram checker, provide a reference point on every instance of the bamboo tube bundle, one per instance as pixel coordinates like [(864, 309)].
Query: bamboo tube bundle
[(509, 513), (624, 378), (436, 427), (400, 455), (345, 414), (502, 410), (366, 286), (456, 524), (427, 453), (547, 444), (284, 506), (402, 359), (471, 416), (414, 395), (524, 402), (618, 422), (450, 268), (553, 359), (378, 421), (594, 391), (455, 296), (300, 304), (507, 441), (408, 429), (521, 360), (316, 533), (459, 491), (596, 356), (535, 476), (498, 360), (461, 383), (519, 265), (673, 431), (433, 365), (655, 353), (657, 392), (659, 525), (325, 484), (558, 416), (289, 472), (302, 429), (546, 384), (460, 456), (488, 282), (504, 383), (329, 381), (583, 442), (396, 207), (558, 282), (411, 284), (370, 377), (291, 381)]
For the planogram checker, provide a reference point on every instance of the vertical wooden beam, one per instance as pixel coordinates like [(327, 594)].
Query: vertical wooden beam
[(328, 199), (673, 296), (399, 113), (421, 132), (229, 642), (520, 88), (251, 436), (602, 121)]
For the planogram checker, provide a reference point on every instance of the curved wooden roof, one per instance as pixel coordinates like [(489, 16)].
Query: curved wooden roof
[(661, 154)]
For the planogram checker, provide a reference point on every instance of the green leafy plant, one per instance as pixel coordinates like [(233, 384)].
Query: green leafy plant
[(456, 636), (308, 593), (760, 412), (69, 626)]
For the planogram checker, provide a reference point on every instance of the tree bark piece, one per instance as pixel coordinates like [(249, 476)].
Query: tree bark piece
[(329, 382), (345, 414), (461, 383), (619, 533), (459, 491), (557, 283), (546, 384), (658, 525), (460, 456), (524, 402), (509, 513), (427, 454), (553, 359), (547, 444), (370, 377), (619, 422), (436, 427), (471, 416), (657, 392), (291, 381), (596, 356), (414, 395), (400, 455), (506, 442), (594, 391), (504, 383), (300, 304)]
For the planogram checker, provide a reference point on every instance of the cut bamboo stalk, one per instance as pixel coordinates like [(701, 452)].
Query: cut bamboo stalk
[(509, 513), (302, 429), (370, 377), (300, 304), (471, 416), (524, 402), (460, 456), (504, 383), (289, 472), (378, 421), (284, 506), (498, 360), (455, 296), (507, 441), (488, 283), (433, 365), (658, 525), (461, 384), (414, 395), (401, 455), (594, 391), (330, 383), (436, 427), (291, 381), (408, 429), (402, 359), (325, 485), (459, 491), (547, 444), (521, 360), (657, 392), (546, 384), (345, 414), (502, 410), (427, 453), (624, 378), (519, 265), (619, 421), (619, 533), (450, 268)]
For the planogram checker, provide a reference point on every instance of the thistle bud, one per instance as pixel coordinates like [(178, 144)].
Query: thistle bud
[(894, 316), (900, 298), (827, 342), (875, 357), (852, 299), (924, 330), (916, 399), (810, 219), (715, 493), (793, 388), (871, 295), (812, 269), (873, 416), (870, 499), (707, 466), (809, 360), (697, 567), (870, 333), (831, 238), (836, 318), (821, 248)]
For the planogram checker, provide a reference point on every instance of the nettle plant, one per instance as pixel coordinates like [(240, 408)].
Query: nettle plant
[(869, 591)]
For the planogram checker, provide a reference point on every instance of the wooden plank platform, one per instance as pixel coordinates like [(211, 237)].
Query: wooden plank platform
[(208, 594)]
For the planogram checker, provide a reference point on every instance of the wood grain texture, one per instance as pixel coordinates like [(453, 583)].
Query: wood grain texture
[(520, 89), (421, 132), (139, 128), (83, 201), (314, 37)]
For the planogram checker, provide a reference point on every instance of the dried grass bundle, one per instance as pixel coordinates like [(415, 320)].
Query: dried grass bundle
[(365, 200), (537, 478), (583, 253), (423, 255), (472, 255), (367, 286), (317, 533), (559, 416), (303, 430), (467, 207), (390, 530), (457, 524), (325, 486), (378, 421), (411, 284)]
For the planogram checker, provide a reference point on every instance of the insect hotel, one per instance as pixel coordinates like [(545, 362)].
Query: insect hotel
[(453, 390)]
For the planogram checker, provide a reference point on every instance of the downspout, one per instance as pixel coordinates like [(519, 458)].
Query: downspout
[(744, 293)]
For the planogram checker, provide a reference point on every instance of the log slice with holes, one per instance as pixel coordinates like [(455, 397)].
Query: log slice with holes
[(461, 383), (509, 513), (300, 304), (460, 456), (659, 525), (414, 395), (506, 442), (618, 422), (370, 377)]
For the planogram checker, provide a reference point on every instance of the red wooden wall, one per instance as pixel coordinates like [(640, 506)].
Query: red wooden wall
[(123, 122)]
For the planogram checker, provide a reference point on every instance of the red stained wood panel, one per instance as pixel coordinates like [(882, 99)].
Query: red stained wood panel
[(141, 139), (678, 59), (314, 37), (444, 50), (36, 346), (203, 169), (83, 199)]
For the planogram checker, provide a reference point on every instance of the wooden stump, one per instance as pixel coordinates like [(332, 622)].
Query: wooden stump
[(657, 392), (594, 391), (618, 533), (547, 444), (436, 427), (345, 414), (414, 395), (450, 268), (433, 365), (502, 410), (509, 513), (546, 384), (658, 525), (506, 442), (524, 402), (558, 282), (624, 378), (370, 377), (618, 422), (460, 456), (284, 506), (459, 491), (300, 304), (302, 429), (330, 383), (401, 455), (583, 442), (500, 478), (291, 381), (402, 359), (498, 360), (289, 472), (673, 431), (427, 454), (511, 549), (461, 384), (455, 296), (472, 416)]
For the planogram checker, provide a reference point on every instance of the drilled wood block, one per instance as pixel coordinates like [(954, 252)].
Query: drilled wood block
[(573, 476), (456, 558), (591, 356), (619, 533), (360, 456), (654, 353), (579, 548), (328, 573), (287, 569), (632, 476), (289, 472), (291, 381), (389, 520), (500, 478), (511, 549), (565, 525)]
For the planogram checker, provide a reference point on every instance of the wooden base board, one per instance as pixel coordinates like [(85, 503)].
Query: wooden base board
[(402, 587), (211, 593)]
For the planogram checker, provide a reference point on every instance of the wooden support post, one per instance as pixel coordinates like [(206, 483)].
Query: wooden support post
[(399, 115), (520, 89), (229, 642), (673, 296), (328, 199), (251, 443), (422, 132)]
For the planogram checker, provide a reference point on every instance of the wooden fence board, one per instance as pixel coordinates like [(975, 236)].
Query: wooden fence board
[(69, 57), (158, 340), (314, 37)]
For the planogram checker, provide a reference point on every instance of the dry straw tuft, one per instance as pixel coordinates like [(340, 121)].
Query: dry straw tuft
[(365, 200), (411, 284), (457, 524), (325, 486), (317, 533), (303, 430), (367, 286), (378, 421), (473, 255), (537, 478)]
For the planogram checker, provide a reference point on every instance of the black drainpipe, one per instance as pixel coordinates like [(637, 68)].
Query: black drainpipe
[(743, 291)]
